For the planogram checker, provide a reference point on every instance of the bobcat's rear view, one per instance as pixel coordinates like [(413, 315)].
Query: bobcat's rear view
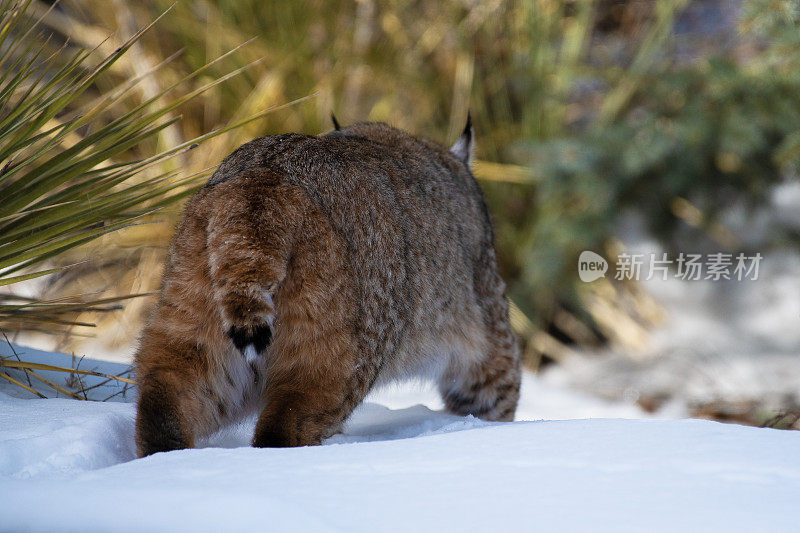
[(311, 269)]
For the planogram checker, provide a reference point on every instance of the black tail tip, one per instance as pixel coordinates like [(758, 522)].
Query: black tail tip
[(336, 125)]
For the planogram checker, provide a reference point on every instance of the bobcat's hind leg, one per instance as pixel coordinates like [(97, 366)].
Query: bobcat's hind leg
[(313, 385), (159, 424), (176, 403)]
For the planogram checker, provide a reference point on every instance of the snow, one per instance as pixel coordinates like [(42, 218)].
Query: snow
[(56, 437), (400, 465), (726, 341)]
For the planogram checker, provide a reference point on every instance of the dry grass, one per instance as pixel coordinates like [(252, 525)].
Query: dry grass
[(74, 386)]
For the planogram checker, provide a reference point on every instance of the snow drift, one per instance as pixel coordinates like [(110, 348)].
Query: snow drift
[(70, 465)]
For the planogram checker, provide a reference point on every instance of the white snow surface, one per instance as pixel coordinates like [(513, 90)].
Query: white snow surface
[(70, 465)]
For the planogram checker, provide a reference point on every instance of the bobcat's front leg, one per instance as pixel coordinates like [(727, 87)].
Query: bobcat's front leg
[(488, 389)]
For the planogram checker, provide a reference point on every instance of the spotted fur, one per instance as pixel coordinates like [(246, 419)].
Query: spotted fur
[(308, 270)]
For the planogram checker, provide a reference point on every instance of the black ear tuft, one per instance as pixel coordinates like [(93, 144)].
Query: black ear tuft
[(464, 147), (336, 125)]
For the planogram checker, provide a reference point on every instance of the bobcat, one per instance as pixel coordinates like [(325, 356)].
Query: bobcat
[(307, 271)]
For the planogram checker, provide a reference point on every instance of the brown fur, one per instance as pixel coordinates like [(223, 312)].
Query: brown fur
[(310, 269)]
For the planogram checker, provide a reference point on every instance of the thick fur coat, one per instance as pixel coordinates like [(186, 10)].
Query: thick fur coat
[(311, 269)]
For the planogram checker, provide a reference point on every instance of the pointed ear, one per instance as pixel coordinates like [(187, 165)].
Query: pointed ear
[(464, 147), (336, 125)]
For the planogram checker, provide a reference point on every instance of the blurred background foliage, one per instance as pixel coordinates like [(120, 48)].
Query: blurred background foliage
[(76, 161), (585, 110)]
